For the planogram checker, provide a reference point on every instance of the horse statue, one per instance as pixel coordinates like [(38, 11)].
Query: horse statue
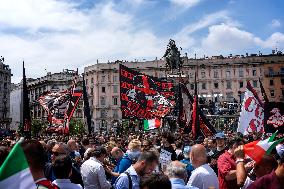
[(172, 56)]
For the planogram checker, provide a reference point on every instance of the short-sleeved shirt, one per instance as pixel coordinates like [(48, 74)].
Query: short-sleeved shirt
[(226, 163), (122, 165), (203, 177), (269, 181), (122, 182)]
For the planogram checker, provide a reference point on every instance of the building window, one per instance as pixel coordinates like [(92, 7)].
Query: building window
[(103, 78), (86, 82), (115, 89), (254, 83), (282, 81), (103, 89), (115, 114), (241, 72), (228, 74), (282, 71), (92, 80), (103, 101), (272, 93), (203, 74), (203, 85), (229, 85), (192, 86), (216, 85), (92, 91), (115, 78), (271, 82), (114, 100), (103, 113), (191, 75), (241, 84), (215, 74), (270, 70), (253, 72)]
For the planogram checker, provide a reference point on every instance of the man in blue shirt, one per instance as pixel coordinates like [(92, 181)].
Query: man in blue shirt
[(146, 164), (122, 164)]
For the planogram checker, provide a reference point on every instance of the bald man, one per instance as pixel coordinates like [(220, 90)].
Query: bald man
[(203, 176)]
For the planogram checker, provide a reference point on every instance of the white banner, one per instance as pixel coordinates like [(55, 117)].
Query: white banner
[(252, 114)]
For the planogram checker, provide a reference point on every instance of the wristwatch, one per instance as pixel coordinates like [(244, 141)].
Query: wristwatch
[(239, 160)]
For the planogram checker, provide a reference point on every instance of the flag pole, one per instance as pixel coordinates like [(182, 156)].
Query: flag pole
[(87, 111), (26, 107)]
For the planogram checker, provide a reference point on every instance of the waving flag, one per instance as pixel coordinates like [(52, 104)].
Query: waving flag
[(201, 126), (61, 105), (15, 172), (152, 124), (257, 149), (274, 117), (143, 96), (252, 113)]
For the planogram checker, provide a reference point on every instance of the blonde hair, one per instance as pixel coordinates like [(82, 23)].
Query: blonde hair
[(134, 144)]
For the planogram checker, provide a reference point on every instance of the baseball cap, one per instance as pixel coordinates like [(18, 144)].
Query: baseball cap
[(220, 135)]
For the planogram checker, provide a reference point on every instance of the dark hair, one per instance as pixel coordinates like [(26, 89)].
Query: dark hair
[(35, 154), (85, 141), (62, 166), (98, 152), (156, 181), (234, 141), (168, 137), (149, 157)]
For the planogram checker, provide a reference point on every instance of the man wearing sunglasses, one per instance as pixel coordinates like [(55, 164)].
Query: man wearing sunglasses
[(61, 148)]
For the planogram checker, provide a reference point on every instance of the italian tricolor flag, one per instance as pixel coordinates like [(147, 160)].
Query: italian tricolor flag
[(257, 149), (151, 124), (15, 172)]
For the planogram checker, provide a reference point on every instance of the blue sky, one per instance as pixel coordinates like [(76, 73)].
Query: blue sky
[(58, 34)]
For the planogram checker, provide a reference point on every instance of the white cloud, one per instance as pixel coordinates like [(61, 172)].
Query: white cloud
[(184, 38), (74, 39), (225, 39), (185, 3), (275, 23)]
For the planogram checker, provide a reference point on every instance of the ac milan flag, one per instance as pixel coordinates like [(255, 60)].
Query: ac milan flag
[(201, 126), (60, 106), (252, 112), (274, 117), (143, 96)]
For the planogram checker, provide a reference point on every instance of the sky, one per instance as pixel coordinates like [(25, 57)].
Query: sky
[(52, 35)]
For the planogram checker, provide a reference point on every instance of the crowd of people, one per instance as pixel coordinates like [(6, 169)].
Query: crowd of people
[(150, 160)]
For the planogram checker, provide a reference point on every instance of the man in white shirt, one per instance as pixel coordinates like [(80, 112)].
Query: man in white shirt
[(203, 176), (92, 171)]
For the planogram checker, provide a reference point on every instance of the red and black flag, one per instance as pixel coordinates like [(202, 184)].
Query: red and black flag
[(143, 96), (26, 107), (87, 110), (195, 113), (200, 126), (61, 105), (274, 117)]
